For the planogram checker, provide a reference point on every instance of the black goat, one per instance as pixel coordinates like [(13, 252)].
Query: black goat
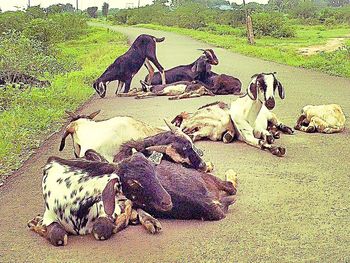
[(126, 66), (197, 70), (222, 84)]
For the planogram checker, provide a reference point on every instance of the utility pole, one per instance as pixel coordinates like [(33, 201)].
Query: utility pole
[(28, 3), (77, 6), (138, 4), (249, 23)]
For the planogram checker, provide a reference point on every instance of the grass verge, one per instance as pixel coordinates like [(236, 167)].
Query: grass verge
[(36, 113), (283, 51)]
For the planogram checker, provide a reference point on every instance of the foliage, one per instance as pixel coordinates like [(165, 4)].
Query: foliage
[(271, 24), (31, 114), (60, 8), (105, 8), (92, 11), (21, 55)]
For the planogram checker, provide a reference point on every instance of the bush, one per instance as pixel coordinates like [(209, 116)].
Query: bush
[(21, 55), (13, 21), (271, 24)]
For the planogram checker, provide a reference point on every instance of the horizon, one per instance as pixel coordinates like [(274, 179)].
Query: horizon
[(14, 5)]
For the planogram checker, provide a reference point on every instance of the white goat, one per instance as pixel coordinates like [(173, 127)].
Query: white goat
[(251, 113), (210, 121), (321, 118), (105, 137)]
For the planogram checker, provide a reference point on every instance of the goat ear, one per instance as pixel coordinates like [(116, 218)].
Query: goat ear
[(281, 91), (94, 114), (92, 155), (108, 197), (69, 130), (253, 90), (194, 68)]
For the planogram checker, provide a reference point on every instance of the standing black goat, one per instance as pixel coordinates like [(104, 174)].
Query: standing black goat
[(126, 66), (197, 70)]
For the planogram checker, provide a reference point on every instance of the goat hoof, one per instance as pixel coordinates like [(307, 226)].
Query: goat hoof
[(227, 138), (57, 235), (270, 139), (297, 127), (103, 228), (311, 129), (209, 167), (277, 135), (278, 151), (152, 225)]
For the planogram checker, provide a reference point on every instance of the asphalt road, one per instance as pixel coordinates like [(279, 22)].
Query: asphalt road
[(294, 208)]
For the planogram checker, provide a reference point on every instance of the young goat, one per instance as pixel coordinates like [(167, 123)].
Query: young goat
[(321, 118), (222, 84), (251, 113), (126, 66), (83, 197)]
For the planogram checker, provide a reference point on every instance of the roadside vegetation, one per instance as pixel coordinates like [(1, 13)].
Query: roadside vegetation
[(69, 59), (284, 30)]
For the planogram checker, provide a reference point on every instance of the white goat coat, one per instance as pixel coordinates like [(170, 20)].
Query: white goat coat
[(105, 137)]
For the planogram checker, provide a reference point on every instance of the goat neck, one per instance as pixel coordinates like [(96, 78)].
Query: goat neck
[(253, 108)]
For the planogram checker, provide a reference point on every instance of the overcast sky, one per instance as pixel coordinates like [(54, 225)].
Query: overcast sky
[(83, 4)]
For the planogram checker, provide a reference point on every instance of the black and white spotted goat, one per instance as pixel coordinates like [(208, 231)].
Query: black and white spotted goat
[(83, 197), (252, 117)]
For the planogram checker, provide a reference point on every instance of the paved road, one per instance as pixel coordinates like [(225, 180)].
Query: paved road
[(289, 209)]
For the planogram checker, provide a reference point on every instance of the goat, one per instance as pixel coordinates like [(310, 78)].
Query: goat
[(112, 133), (172, 144), (222, 84), (126, 66), (211, 121), (251, 113), (197, 70), (195, 194), (177, 90), (103, 136), (321, 118), (82, 197)]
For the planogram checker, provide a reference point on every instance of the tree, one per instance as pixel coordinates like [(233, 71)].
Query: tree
[(105, 9), (92, 11)]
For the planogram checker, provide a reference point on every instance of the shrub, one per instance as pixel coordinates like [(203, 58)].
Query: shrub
[(21, 55), (271, 24)]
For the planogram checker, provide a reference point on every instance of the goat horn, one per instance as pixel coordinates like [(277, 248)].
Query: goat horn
[(171, 126), (158, 148), (70, 114), (201, 49), (94, 114)]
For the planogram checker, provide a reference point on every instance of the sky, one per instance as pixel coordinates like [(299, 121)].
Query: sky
[(6, 5)]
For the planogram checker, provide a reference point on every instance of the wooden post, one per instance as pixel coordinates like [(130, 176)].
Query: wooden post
[(249, 24)]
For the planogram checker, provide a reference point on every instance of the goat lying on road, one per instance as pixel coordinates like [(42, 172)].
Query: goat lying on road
[(177, 90), (222, 84), (322, 118), (211, 121), (126, 66), (82, 197), (106, 137), (251, 113)]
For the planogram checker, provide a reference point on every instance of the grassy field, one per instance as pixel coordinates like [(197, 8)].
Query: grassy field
[(33, 114), (285, 50)]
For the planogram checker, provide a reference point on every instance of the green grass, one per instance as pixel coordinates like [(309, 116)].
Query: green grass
[(283, 51), (32, 114)]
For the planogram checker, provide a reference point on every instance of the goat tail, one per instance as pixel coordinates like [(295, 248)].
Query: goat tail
[(159, 39)]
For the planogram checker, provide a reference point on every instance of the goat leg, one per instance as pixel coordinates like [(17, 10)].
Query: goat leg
[(275, 150), (36, 225), (123, 220), (151, 224), (150, 71)]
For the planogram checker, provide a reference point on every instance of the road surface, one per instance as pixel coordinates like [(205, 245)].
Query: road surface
[(294, 208)]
